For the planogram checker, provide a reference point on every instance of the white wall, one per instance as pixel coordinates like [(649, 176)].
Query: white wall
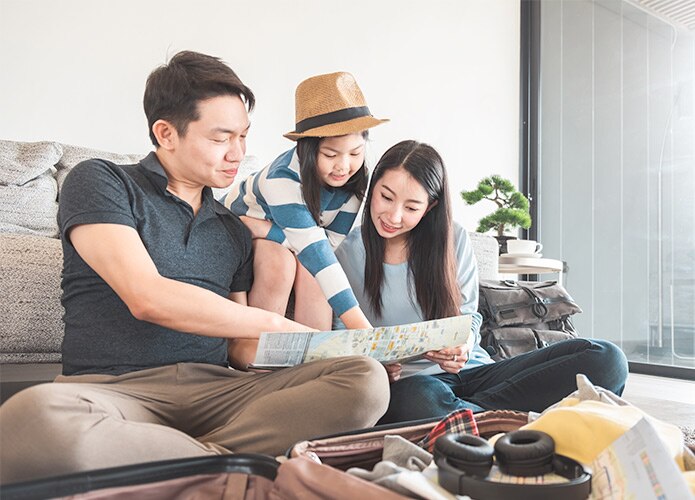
[(444, 71)]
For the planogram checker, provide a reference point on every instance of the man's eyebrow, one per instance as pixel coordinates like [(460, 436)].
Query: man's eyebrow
[(419, 202), (222, 130)]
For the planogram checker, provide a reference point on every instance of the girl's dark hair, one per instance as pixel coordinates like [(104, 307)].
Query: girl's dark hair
[(431, 261), (307, 152), (173, 91)]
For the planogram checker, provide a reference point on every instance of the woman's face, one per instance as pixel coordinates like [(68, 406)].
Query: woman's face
[(339, 158), (398, 204)]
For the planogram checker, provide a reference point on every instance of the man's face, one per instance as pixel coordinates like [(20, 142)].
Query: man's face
[(214, 145)]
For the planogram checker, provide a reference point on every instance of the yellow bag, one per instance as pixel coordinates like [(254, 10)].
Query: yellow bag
[(591, 419)]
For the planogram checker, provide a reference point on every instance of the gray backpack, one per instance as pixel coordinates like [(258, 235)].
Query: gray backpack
[(522, 316)]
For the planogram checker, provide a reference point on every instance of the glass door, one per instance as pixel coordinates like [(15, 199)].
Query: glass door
[(616, 172)]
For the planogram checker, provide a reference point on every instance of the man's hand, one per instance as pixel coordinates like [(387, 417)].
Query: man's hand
[(450, 359), (393, 371), (259, 228)]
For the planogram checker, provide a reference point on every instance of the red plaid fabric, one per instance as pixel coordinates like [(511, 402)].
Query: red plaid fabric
[(458, 422)]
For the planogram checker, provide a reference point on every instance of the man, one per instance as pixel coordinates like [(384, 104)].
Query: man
[(150, 261)]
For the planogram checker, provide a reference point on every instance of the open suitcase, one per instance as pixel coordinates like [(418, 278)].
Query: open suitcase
[(364, 448)]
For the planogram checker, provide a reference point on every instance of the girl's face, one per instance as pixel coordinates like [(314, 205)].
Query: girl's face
[(398, 204), (339, 158)]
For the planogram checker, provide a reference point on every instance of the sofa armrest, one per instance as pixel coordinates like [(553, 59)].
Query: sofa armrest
[(32, 323)]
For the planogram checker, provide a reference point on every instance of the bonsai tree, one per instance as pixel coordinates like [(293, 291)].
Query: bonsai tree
[(512, 206)]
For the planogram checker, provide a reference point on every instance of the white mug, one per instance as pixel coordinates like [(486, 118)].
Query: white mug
[(526, 247)]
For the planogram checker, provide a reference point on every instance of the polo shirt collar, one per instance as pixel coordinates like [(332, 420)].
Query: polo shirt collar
[(219, 207), (152, 164)]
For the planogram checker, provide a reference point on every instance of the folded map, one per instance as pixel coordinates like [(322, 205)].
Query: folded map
[(387, 344)]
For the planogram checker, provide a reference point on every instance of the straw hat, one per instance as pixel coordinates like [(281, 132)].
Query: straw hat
[(330, 105)]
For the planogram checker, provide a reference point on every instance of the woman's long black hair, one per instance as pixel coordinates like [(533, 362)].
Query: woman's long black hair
[(431, 261), (307, 152)]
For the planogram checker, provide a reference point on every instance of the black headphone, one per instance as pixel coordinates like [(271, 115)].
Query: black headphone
[(464, 461)]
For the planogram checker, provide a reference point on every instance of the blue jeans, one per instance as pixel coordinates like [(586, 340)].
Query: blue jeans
[(528, 382)]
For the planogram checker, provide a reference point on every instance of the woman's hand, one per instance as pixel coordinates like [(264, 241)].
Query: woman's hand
[(259, 228), (450, 359), (393, 371)]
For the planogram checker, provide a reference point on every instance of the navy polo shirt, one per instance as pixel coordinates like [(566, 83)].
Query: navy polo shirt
[(211, 249)]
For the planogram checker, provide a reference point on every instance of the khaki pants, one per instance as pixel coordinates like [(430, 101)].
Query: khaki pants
[(94, 421)]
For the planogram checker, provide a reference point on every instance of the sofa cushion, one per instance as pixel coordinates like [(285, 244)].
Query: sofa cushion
[(72, 155), (31, 329), (21, 162), (28, 190), (31, 208)]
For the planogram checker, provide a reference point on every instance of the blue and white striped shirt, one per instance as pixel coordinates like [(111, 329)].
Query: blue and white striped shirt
[(275, 194)]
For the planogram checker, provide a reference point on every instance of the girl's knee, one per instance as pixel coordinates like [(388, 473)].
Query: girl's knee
[(273, 252), (273, 263)]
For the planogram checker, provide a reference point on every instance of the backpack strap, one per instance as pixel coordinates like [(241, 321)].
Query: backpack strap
[(539, 309)]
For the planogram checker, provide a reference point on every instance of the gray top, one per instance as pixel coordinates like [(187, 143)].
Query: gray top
[(398, 293), (211, 249)]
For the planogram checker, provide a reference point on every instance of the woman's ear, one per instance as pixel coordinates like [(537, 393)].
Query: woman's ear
[(432, 205), (165, 133)]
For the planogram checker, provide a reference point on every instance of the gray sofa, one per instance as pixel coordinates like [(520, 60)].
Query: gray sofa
[(31, 328)]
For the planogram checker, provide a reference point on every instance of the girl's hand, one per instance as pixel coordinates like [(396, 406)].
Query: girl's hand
[(259, 228), (450, 359), (354, 318), (393, 371)]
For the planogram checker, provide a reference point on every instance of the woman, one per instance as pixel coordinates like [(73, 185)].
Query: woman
[(409, 262)]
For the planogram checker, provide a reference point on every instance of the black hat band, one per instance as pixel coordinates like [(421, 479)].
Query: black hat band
[(342, 115)]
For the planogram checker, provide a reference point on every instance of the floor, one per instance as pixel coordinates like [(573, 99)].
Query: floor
[(668, 399)]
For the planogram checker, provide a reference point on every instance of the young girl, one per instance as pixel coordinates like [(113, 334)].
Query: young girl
[(409, 262), (301, 206)]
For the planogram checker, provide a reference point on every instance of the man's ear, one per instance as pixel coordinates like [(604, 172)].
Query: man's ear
[(166, 134)]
